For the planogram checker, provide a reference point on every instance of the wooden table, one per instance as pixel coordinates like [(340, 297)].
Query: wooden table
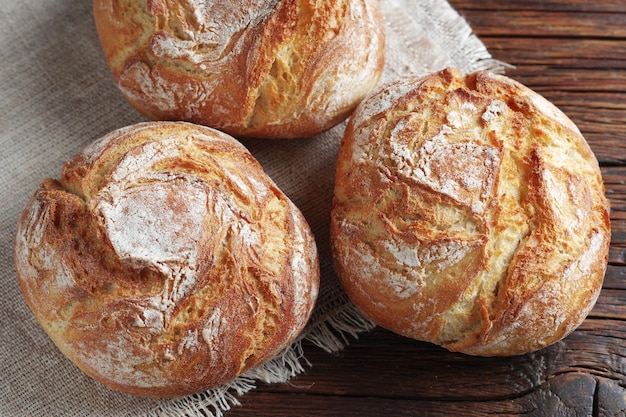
[(574, 53)]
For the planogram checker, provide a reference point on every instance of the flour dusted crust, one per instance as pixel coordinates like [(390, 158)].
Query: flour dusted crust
[(270, 68), (165, 261), (469, 212)]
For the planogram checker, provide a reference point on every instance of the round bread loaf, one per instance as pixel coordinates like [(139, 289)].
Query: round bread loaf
[(165, 261), (271, 69), (469, 212)]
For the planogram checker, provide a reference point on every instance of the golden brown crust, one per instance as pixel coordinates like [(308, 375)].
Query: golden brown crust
[(165, 261), (276, 69), (469, 212)]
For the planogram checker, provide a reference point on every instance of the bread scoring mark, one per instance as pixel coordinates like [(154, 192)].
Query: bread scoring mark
[(29, 238), (161, 96), (116, 361), (418, 264), (405, 286), (409, 268), (586, 260), (443, 255), (189, 342), (205, 39), (464, 171), (382, 100), (155, 221), (213, 327), (37, 218), (406, 255), (36, 259), (205, 30), (300, 265), (565, 287), (311, 83)]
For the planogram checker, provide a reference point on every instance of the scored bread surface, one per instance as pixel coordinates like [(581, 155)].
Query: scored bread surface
[(165, 261), (469, 212), (276, 69)]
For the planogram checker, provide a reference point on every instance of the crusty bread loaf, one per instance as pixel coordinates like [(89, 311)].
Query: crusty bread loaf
[(469, 212), (165, 261), (273, 69)]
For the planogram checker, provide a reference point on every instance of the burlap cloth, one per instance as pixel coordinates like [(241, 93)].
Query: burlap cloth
[(57, 96)]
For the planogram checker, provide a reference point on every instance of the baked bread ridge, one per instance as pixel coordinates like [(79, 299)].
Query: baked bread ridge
[(165, 261), (469, 212), (269, 69)]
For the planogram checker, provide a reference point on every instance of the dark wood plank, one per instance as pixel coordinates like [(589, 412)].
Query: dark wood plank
[(615, 186), (410, 369), (540, 5), (615, 278), (546, 23), (610, 399), (574, 55), (556, 381), (568, 395), (611, 304)]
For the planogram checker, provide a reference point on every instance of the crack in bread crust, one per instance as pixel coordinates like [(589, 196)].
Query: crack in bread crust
[(165, 261), (274, 69), (469, 212)]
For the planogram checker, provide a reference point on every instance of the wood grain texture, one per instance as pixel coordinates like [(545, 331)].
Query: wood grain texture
[(574, 53)]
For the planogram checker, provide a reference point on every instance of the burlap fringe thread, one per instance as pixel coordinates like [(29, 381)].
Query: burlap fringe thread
[(335, 323), (330, 331)]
